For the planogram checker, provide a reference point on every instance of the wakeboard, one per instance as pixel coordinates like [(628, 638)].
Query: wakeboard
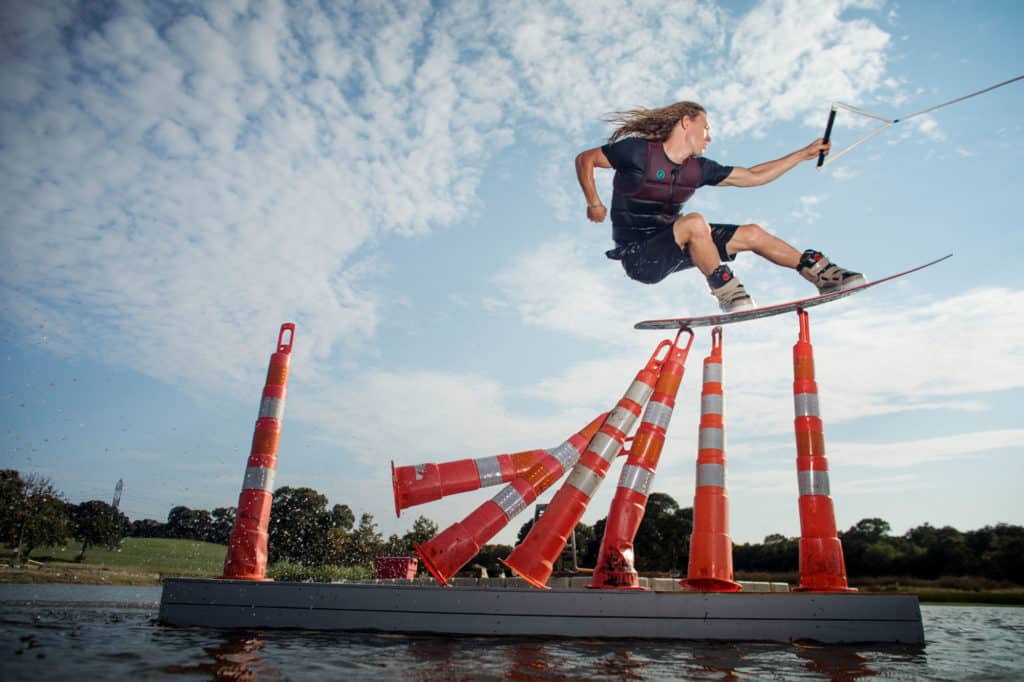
[(771, 310)]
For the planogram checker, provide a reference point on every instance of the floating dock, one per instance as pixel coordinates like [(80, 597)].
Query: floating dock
[(576, 613)]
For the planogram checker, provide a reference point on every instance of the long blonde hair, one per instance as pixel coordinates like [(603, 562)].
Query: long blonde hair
[(652, 124)]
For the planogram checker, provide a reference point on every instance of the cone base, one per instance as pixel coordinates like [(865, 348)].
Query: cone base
[(825, 589), (621, 588), (434, 571), (615, 580), (533, 581), (710, 585), (251, 578)]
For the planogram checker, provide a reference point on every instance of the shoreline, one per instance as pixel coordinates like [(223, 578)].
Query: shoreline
[(86, 575)]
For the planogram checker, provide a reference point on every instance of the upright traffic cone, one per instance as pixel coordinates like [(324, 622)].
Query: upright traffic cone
[(710, 566), (822, 568), (615, 560), (534, 558), (247, 547), (420, 483), (449, 551)]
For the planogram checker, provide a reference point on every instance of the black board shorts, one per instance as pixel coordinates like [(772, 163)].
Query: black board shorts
[(654, 259)]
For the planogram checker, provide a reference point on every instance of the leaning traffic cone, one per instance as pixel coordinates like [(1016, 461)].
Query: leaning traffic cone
[(450, 550), (710, 566), (534, 558), (822, 568), (615, 560), (247, 546), (420, 483)]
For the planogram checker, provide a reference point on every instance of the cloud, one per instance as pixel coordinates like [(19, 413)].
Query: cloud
[(176, 181), (784, 58), (897, 455), (808, 211)]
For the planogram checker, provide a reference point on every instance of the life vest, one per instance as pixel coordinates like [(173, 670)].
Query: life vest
[(644, 204)]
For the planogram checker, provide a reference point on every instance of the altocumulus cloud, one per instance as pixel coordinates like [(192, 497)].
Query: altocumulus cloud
[(177, 175)]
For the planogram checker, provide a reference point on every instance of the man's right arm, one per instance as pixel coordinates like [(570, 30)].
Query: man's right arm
[(586, 162)]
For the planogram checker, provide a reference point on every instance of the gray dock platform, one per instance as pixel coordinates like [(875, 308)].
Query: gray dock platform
[(471, 610)]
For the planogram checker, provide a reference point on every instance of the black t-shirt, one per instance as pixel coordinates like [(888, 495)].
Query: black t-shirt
[(650, 189)]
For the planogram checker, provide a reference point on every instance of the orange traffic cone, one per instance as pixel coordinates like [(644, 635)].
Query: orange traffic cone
[(710, 566), (420, 483), (449, 551), (615, 560), (534, 558), (822, 568), (247, 547)]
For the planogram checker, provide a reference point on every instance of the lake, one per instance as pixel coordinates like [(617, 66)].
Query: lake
[(111, 633)]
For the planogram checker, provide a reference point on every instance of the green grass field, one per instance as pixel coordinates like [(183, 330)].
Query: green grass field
[(137, 560)]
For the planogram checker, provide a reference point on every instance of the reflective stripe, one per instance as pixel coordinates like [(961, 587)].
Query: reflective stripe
[(584, 479), (510, 500), (711, 438), (639, 392), (658, 413), (711, 403), (813, 482), (712, 372), (258, 478), (489, 471), (621, 419), (710, 475), (271, 407), (636, 478), (806, 404), (566, 454), (421, 471), (604, 446)]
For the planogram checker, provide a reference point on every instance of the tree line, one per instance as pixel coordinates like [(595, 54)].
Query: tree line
[(306, 529)]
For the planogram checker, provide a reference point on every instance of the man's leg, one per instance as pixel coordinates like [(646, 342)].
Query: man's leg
[(692, 232), (812, 265), (755, 238)]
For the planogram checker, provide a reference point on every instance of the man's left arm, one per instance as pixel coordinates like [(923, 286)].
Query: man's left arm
[(763, 173)]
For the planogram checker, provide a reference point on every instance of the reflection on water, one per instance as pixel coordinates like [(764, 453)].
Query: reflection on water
[(62, 639)]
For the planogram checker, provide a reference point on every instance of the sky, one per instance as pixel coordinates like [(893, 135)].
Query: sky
[(178, 179)]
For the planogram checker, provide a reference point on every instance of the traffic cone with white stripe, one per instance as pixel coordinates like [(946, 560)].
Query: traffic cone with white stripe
[(534, 558), (710, 566), (615, 560), (421, 483), (822, 568), (247, 547), (450, 550)]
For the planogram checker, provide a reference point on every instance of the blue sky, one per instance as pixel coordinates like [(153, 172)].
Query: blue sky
[(178, 179)]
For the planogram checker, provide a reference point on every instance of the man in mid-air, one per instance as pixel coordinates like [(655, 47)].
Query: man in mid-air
[(658, 162)]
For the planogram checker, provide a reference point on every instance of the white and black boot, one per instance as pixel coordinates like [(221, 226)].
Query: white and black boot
[(732, 296), (826, 275)]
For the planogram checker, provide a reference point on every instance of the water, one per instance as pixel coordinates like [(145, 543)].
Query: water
[(111, 633)]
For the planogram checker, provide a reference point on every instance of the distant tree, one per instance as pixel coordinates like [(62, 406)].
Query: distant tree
[(944, 551), (490, 557), (868, 530), (96, 523), (12, 491), (423, 529), (189, 524), (364, 543), (147, 528), (342, 517), (1003, 559), (584, 539), (222, 521), (299, 525), (524, 530), (662, 542), (36, 515)]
